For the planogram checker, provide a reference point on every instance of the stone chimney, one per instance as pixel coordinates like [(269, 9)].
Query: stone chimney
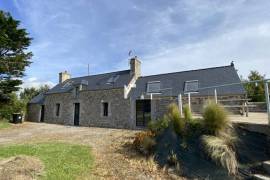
[(135, 67), (63, 76)]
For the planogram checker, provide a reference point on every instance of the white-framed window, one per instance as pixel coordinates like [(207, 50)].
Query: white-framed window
[(153, 87), (191, 86)]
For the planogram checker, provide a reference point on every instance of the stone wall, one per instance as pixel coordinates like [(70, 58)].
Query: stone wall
[(90, 108), (159, 105), (33, 112)]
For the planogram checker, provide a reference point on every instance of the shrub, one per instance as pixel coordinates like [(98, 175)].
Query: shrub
[(144, 141), (14, 106), (187, 113), (172, 159), (218, 149), (158, 125), (147, 145), (174, 116), (215, 118)]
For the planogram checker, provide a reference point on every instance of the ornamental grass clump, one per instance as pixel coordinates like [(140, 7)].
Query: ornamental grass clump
[(157, 126), (215, 118), (187, 114), (218, 149), (175, 117)]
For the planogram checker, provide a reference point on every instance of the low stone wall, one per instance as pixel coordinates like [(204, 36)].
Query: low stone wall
[(33, 112), (160, 105)]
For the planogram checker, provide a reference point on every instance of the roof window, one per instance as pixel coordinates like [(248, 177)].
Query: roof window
[(191, 86), (153, 87)]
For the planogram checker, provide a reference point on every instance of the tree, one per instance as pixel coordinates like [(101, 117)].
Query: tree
[(255, 91), (14, 57), (28, 93)]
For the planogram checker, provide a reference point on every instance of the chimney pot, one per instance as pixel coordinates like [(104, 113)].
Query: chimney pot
[(135, 67), (64, 76)]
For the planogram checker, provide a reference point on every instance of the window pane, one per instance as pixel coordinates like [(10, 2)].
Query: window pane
[(153, 87), (191, 86)]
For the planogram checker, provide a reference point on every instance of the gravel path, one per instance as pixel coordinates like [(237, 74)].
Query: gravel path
[(114, 159)]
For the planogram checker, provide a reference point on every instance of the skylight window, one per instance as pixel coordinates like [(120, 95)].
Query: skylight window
[(67, 84), (112, 79), (84, 82), (191, 86), (153, 87)]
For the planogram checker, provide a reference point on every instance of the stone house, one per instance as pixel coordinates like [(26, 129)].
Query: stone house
[(126, 99)]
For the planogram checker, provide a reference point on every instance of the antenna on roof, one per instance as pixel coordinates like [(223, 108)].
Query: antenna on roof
[(88, 69), (129, 53)]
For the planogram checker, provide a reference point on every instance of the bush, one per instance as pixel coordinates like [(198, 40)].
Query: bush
[(158, 125), (144, 142), (14, 106), (215, 118), (174, 116), (147, 145), (218, 149), (195, 127), (187, 113)]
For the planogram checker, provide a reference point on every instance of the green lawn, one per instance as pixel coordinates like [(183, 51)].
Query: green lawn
[(4, 124), (61, 160)]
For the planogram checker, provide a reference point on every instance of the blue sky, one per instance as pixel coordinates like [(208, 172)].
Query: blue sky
[(166, 35)]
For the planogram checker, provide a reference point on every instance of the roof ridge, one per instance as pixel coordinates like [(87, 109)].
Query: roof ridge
[(188, 71), (99, 74)]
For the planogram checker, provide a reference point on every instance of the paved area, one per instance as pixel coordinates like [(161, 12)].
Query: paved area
[(114, 159), (253, 118)]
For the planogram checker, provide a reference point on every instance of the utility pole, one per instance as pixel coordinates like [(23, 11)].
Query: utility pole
[(88, 70)]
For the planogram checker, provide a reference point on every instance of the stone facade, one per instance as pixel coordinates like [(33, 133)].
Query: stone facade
[(90, 108), (33, 112)]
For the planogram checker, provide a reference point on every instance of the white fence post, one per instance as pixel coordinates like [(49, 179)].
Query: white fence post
[(267, 99), (216, 96), (189, 104), (180, 104)]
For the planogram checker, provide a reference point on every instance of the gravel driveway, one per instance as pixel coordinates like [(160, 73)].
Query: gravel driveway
[(114, 159)]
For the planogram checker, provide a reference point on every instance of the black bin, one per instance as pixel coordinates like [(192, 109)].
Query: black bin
[(16, 118)]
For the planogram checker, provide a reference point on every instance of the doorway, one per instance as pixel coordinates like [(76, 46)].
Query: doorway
[(143, 112), (42, 113), (76, 114)]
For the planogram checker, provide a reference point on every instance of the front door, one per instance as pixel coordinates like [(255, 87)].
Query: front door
[(76, 114), (42, 113), (143, 112)]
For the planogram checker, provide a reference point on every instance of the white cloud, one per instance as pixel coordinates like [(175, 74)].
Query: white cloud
[(248, 47), (166, 35), (36, 83)]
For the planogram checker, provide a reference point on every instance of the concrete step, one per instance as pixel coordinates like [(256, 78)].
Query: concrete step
[(266, 166), (261, 177)]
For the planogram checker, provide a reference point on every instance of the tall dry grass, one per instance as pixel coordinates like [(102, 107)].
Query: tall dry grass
[(215, 118), (174, 116), (221, 152)]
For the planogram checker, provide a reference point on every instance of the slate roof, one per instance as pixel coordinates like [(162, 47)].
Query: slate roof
[(94, 82), (39, 99), (173, 83)]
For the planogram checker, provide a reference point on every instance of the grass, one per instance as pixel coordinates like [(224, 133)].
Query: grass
[(215, 118), (62, 161), (4, 124), (220, 151)]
